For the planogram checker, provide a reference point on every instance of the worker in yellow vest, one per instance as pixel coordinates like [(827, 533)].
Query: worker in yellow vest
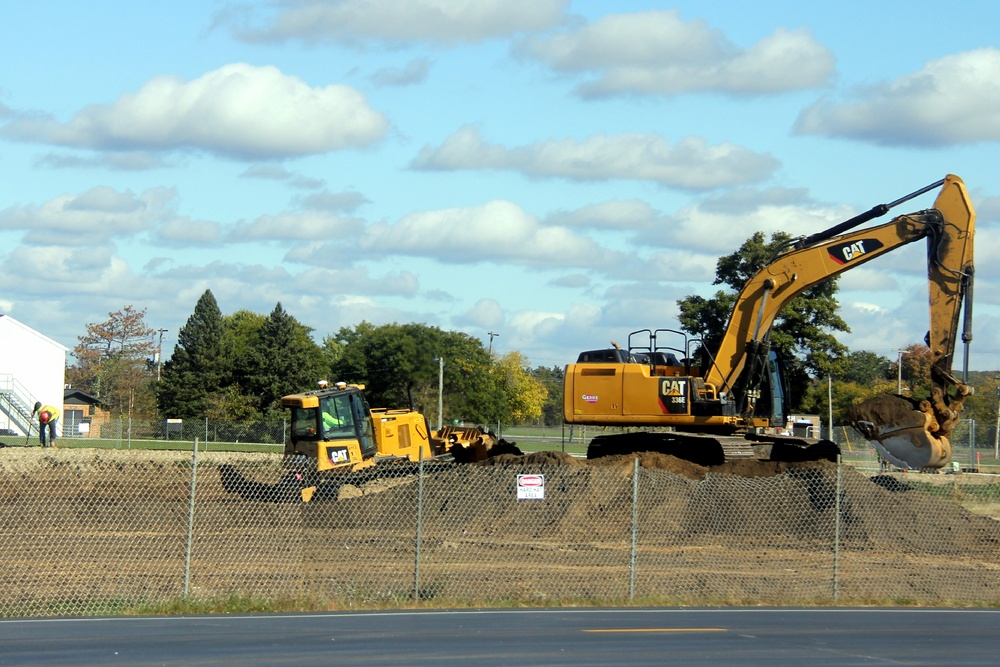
[(48, 415)]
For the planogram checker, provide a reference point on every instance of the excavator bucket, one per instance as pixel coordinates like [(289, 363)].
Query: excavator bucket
[(904, 433)]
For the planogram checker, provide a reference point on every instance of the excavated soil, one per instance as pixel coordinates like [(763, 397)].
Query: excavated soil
[(886, 409)]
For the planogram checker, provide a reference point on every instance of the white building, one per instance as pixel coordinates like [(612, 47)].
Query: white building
[(32, 368)]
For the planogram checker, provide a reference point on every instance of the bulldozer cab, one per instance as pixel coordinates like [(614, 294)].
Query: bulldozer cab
[(333, 426)]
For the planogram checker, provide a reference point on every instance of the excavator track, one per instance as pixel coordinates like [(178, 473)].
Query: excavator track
[(713, 450)]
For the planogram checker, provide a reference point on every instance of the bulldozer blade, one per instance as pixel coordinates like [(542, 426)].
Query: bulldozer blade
[(903, 434)]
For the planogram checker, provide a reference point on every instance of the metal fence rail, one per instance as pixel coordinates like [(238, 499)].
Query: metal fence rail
[(86, 532), (969, 451)]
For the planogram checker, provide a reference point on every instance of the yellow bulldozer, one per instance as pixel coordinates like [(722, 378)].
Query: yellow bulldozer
[(336, 438)]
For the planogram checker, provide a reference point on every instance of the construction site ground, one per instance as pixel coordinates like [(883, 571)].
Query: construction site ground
[(78, 524)]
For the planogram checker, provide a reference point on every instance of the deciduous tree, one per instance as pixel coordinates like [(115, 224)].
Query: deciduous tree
[(113, 362), (803, 333)]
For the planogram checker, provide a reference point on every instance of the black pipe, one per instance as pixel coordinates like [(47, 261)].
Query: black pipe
[(871, 214)]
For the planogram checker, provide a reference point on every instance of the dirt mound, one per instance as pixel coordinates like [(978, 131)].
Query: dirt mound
[(535, 458), (659, 461)]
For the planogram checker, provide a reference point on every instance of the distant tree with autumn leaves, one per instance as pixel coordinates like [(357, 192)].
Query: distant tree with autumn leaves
[(113, 362)]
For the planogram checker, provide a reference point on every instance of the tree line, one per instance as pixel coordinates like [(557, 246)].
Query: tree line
[(238, 366)]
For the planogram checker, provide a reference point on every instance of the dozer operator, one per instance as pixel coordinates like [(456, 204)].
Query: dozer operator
[(731, 406)]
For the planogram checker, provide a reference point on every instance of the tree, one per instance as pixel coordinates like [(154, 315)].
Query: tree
[(863, 368), (552, 380), (802, 333), (524, 393), (916, 370), (399, 366), (198, 366), (113, 363), (282, 359)]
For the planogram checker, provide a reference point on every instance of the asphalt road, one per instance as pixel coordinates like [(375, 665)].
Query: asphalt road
[(522, 637)]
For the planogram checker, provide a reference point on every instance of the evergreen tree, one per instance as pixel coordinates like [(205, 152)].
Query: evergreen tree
[(198, 367), (283, 360)]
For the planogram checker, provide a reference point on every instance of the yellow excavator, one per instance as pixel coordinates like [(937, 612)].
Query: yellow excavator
[(734, 406)]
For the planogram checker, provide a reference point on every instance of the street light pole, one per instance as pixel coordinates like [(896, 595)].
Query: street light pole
[(159, 353)]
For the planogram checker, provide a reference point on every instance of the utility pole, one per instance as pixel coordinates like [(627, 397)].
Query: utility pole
[(440, 390), (492, 335), (159, 353), (829, 402), (899, 372), (996, 433)]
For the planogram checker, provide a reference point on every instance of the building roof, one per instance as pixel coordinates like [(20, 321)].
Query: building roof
[(7, 320), (74, 395)]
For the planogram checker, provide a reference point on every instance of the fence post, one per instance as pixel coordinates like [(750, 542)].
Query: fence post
[(420, 504), (635, 528), (836, 531), (190, 531), (972, 446)]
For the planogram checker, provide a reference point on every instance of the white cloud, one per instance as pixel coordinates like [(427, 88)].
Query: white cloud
[(656, 52), (355, 22), (238, 110), (720, 230), (129, 161), (65, 272), (484, 314), (952, 100), (91, 217), (189, 232), (572, 281), (414, 72), (617, 214), (310, 225), (688, 164), (325, 200), (498, 231)]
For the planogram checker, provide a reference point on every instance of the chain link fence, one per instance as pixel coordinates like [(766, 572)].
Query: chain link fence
[(85, 532)]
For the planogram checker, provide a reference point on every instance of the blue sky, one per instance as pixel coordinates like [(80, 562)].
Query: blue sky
[(558, 173)]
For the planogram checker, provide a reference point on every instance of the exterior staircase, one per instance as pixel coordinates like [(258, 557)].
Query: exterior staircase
[(15, 404)]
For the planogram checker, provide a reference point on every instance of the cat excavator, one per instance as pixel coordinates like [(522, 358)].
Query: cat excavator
[(734, 405)]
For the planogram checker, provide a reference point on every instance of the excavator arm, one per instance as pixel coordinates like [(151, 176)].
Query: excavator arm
[(914, 435)]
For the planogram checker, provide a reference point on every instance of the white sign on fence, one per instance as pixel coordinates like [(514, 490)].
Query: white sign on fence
[(531, 487)]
